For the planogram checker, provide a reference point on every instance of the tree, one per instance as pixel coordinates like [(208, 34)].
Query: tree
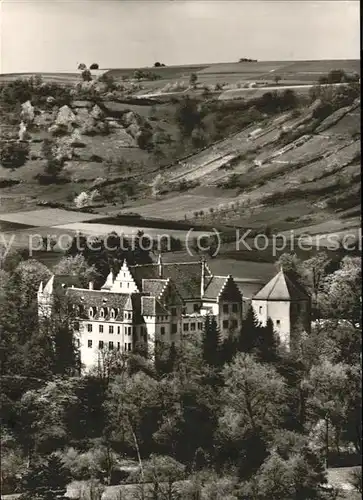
[(53, 165), (277, 79), (292, 266), (162, 472), (299, 475), (82, 67), (77, 266), (188, 116), (193, 79), (253, 402), (250, 332), (94, 66), (273, 480), (254, 397), (108, 253), (211, 342), (342, 294), (314, 270), (86, 75), (44, 417), (267, 343), (14, 154), (328, 386), (46, 481)]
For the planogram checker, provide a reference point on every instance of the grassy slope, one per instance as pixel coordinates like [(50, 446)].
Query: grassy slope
[(280, 174)]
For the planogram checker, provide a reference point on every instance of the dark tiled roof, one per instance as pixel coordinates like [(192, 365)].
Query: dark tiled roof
[(214, 287), (281, 287), (154, 286), (150, 306), (249, 288), (185, 275), (97, 298)]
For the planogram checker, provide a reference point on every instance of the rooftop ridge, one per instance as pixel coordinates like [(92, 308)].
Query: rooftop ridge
[(169, 264), (278, 275)]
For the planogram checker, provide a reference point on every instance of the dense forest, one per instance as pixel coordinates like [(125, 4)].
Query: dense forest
[(236, 418)]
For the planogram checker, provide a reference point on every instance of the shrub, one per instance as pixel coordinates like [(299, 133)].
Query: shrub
[(14, 154), (94, 66), (193, 79), (86, 75)]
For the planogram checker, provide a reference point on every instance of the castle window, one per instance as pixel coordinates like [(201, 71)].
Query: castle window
[(186, 327), (110, 345), (125, 347), (225, 309), (100, 344), (129, 346), (174, 328), (118, 346), (260, 309), (200, 326), (110, 329), (173, 311), (112, 313), (196, 307), (225, 324), (76, 326), (102, 313), (162, 330), (278, 322), (90, 343), (234, 323), (90, 312), (89, 327), (184, 310), (118, 329), (128, 285), (192, 327), (100, 328), (235, 308)]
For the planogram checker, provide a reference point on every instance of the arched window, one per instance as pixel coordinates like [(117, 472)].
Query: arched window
[(91, 312), (102, 312)]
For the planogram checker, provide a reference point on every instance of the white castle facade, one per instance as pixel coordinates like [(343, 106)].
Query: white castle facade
[(158, 303)]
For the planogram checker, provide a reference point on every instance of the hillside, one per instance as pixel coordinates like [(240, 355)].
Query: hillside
[(281, 159)]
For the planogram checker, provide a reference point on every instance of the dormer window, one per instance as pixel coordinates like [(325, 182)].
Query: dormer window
[(113, 313), (102, 312), (91, 312)]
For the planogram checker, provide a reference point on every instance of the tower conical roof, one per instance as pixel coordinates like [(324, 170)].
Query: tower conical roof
[(280, 288)]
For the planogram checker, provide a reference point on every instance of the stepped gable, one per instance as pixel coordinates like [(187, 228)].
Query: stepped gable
[(281, 288), (185, 275), (214, 287), (219, 285), (154, 287)]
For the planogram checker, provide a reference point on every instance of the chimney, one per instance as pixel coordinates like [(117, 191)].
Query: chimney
[(202, 280), (160, 266), (90, 285)]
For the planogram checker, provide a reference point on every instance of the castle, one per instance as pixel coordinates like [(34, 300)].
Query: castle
[(158, 303)]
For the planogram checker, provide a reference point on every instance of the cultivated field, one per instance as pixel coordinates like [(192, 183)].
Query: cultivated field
[(46, 217)]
